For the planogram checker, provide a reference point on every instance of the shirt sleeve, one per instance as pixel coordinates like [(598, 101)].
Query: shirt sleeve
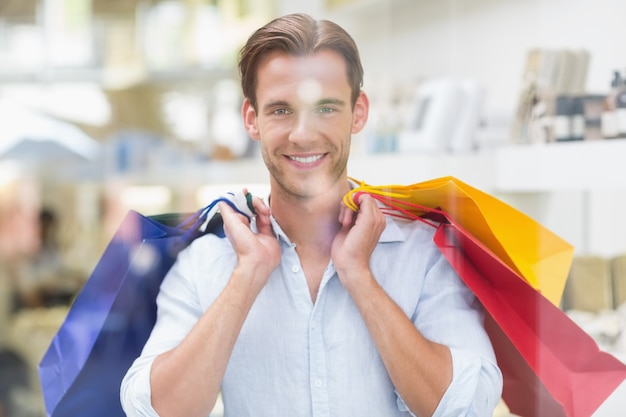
[(449, 313), (135, 393), (475, 389), (177, 311)]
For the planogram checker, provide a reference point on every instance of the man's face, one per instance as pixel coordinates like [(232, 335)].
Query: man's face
[(304, 120)]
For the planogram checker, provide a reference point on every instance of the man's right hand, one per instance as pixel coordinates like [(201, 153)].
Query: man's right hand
[(258, 254)]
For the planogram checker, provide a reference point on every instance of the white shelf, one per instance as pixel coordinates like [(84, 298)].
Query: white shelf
[(569, 166), (213, 172), (473, 168), (572, 166), (578, 166)]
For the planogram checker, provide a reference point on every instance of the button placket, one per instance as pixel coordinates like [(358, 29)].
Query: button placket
[(317, 361), (295, 280)]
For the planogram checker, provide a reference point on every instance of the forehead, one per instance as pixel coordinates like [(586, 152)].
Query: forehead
[(324, 70)]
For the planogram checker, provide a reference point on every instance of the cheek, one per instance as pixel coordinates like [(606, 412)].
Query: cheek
[(276, 129), (349, 128)]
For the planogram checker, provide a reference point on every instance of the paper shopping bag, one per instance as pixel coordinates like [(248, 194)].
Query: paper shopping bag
[(551, 367), (113, 315), (530, 249)]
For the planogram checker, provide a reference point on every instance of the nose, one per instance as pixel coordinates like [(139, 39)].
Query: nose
[(302, 129)]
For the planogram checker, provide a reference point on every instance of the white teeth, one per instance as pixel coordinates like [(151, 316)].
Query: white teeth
[(306, 160)]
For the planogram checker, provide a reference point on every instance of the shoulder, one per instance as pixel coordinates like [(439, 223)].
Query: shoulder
[(412, 241), (201, 271), (206, 250), (409, 231)]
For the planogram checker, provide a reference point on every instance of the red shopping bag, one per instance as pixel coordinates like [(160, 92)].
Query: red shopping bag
[(551, 367)]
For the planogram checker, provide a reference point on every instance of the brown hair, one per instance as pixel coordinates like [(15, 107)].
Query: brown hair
[(298, 34)]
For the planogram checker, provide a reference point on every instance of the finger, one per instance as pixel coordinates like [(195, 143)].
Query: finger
[(259, 206), (370, 213), (365, 200), (263, 213), (369, 203), (232, 218), (346, 216)]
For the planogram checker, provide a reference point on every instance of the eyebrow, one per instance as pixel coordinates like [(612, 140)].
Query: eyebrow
[(282, 103), (275, 103), (335, 101)]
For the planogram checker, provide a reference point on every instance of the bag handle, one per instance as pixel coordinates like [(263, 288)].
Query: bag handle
[(396, 204), (196, 224)]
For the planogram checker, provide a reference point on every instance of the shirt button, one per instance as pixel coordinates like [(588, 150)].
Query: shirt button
[(295, 268), (317, 383)]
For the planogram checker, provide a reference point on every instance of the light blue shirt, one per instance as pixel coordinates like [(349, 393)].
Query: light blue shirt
[(294, 357)]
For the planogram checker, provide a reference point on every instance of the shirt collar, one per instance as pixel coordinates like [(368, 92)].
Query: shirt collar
[(391, 233)]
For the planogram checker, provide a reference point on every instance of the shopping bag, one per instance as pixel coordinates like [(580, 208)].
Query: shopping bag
[(538, 255), (113, 315), (551, 367)]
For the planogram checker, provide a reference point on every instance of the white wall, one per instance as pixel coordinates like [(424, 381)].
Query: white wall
[(484, 39)]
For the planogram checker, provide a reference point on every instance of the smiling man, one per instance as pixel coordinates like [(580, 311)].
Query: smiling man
[(312, 309)]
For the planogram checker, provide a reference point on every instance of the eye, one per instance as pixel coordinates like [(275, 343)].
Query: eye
[(281, 111), (325, 110)]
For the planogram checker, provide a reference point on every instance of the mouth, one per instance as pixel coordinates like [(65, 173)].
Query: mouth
[(306, 159)]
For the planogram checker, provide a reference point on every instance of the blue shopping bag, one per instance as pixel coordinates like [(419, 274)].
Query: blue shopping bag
[(113, 315)]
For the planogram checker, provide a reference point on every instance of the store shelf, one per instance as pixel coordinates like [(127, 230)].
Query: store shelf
[(196, 174), (572, 166), (474, 168), (580, 166)]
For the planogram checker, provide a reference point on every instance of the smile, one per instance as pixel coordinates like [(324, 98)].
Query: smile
[(306, 159)]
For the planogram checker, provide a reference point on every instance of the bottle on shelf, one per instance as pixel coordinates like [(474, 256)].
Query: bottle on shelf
[(562, 120), (620, 108), (610, 127)]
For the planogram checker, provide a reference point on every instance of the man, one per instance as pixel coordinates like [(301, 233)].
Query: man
[(312, 310)]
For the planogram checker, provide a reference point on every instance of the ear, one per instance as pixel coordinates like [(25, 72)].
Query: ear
[(360, 113), (250, 120)]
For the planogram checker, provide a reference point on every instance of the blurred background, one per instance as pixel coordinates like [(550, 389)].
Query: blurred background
[(112, 105)]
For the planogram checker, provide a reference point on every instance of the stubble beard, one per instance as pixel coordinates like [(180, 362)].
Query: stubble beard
[(301, 188)]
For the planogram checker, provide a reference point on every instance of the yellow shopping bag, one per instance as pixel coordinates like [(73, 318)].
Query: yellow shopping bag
[(533, 251)]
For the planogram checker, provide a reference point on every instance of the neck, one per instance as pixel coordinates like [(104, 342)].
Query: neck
[(309, 221)]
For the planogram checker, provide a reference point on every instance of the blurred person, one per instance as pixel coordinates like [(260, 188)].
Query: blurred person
[(312, 309), (19, 205), (43, 280), (48, 244), (42, 264)]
